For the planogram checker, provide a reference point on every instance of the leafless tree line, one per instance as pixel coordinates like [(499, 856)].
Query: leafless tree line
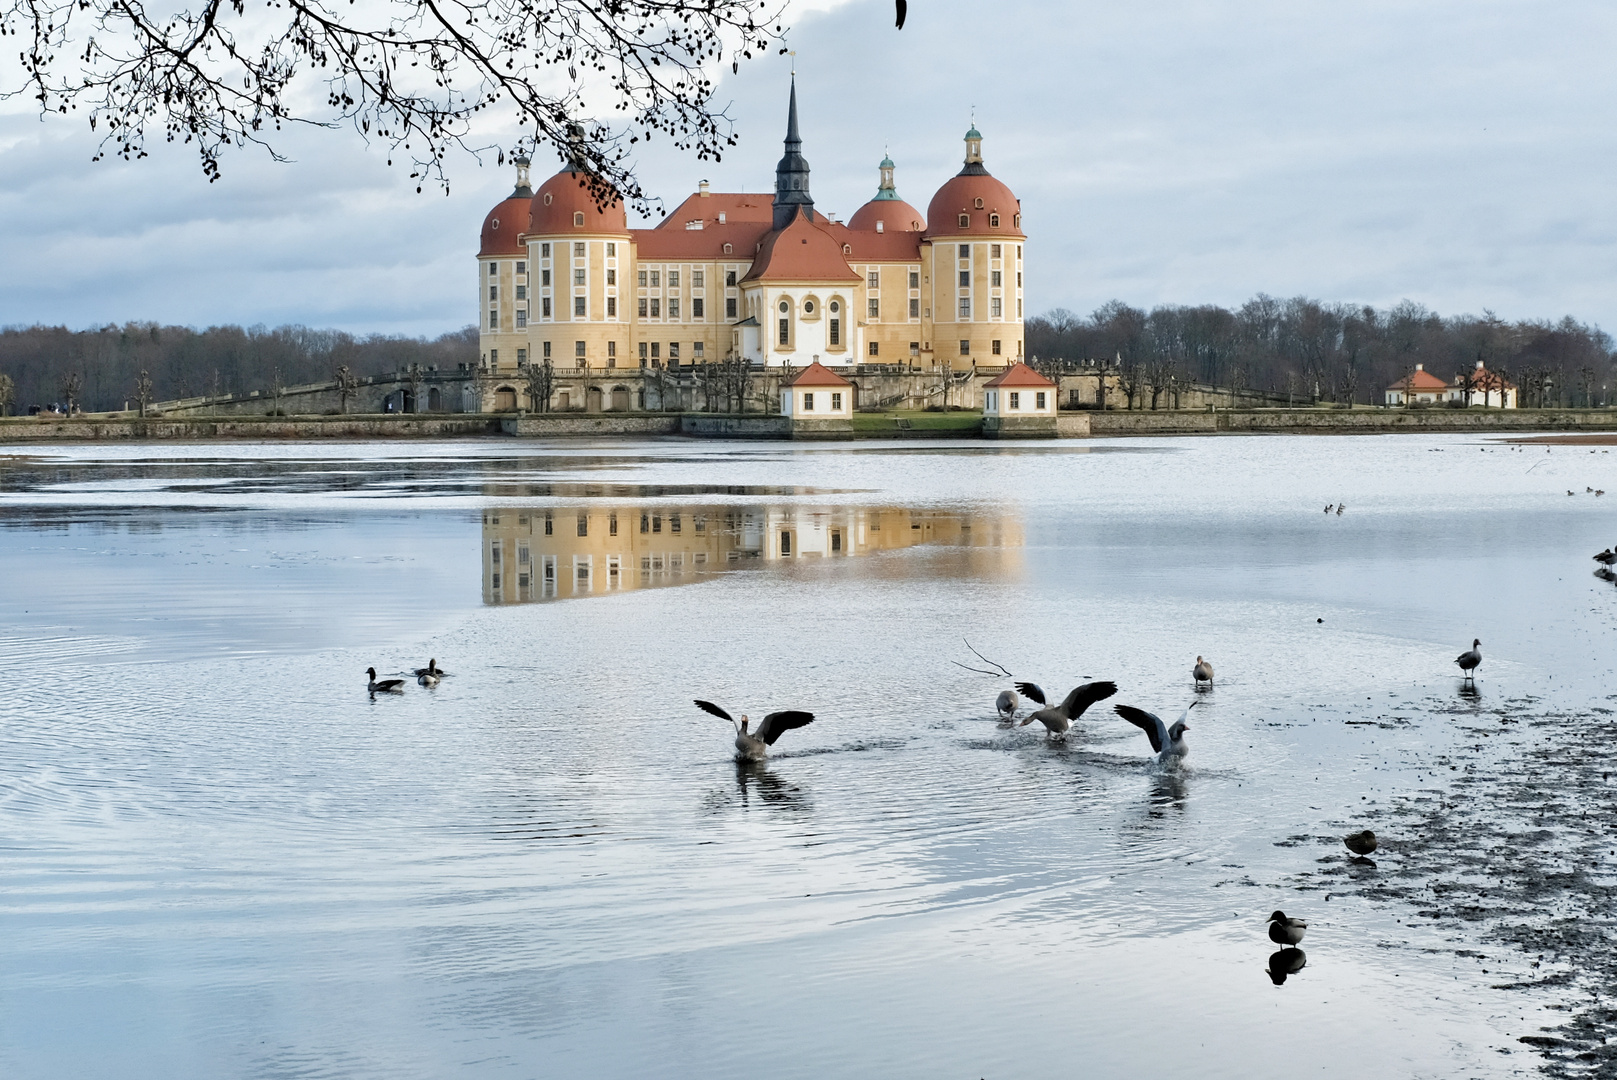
[(1318, 352), (102, 369)]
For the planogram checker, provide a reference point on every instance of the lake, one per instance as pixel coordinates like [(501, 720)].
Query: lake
[(223, 857)]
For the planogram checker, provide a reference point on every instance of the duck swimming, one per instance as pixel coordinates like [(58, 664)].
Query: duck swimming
[(386, 686)]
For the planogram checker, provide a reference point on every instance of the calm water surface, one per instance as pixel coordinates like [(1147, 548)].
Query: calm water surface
[(222, 858)]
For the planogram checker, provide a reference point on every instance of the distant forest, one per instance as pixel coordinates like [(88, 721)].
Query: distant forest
[(1300, 347), (182, 362), (1325, 352)]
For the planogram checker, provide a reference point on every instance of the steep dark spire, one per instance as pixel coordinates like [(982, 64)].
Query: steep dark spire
[(792, 174)]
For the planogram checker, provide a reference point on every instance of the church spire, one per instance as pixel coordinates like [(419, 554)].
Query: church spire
[(792, 174)]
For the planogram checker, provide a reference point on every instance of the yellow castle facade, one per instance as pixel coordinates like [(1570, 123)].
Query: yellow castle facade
[(767, 279)]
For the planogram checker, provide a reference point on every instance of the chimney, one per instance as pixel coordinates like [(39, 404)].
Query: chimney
[(701, 189), (1420, 367)]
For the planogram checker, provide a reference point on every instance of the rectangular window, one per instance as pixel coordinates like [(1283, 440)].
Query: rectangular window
[(785, 329), (915, 279), (730, 308), (1016, 400), (993, 251), (965, 307), (579, 278), (875, 348), (696, 307), (642, 307), (612, 253), (522, 358), (494, 361), (547, 350), (522, 268), (522, 319), (493, 269), (673, 523), (673, 307), (583, 525), (873, 308), (696, 350), (611, 348), (1038, 400), (873, 279), (965, 347), (785, 543), (493, 319), (994, 278), (611, 307), (493, 292), (730, 279), (915, 348), (656, 308), (544, 278), (578, 306), (642, 279), (836, 332), (673, 279), (611, 277), (965, 251), (994, 347), (696, 279), (965, 279), (654, 279), (612, 524), (836, 402), (915, 307), (522, 292), (544, 251), (656, 350), (642, 354), (578, 348), (544, 307), (995, 307), (578, 251), (673, 350), (808, 402)]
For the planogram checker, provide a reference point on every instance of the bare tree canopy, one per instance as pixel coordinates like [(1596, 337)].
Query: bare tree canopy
[(412, 75)]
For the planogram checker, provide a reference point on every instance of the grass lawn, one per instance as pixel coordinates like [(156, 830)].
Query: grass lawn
[(889, 422)]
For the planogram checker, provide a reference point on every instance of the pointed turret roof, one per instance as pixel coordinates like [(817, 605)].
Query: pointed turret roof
[(792, 174)]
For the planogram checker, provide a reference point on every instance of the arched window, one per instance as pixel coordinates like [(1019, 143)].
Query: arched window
[(578, 217), (993, 221), (965, 220), (727, 249), (847, 249), (1017, 221)]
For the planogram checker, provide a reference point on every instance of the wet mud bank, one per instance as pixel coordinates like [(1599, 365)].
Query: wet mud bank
[(1511, 855)]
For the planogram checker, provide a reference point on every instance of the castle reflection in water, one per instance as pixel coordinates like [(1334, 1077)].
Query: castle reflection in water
[(532, 553)]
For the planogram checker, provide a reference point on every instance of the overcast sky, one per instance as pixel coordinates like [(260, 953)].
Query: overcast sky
[(1461, 155)]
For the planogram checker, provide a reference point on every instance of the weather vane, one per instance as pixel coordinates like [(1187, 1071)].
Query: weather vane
[(793, 54)]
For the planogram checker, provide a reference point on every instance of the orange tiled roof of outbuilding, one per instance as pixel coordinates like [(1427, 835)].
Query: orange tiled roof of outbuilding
[(1019, 374), (817, 374)]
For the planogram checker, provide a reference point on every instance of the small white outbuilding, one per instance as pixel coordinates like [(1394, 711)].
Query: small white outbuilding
[(817, 393), (1019, 391)]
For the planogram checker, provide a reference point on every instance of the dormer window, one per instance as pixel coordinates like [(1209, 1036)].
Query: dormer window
[(847, 249), (965, 220), (1017, 221), (494, 224), (727, 249), (978, 204), (578, 218), (993, 221), (547, 198)]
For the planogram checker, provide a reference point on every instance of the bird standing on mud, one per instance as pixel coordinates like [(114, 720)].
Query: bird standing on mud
[(755, 746), (1168, 742), (1057, 719), (1471, 659)]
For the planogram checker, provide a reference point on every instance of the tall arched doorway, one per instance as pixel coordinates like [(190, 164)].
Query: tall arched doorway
[(435, 400), (592, 399), (505, 399), (620, 399)]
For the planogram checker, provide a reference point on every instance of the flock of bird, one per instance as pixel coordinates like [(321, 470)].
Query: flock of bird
[(1338, 507), (1587, 491), (426, 676)]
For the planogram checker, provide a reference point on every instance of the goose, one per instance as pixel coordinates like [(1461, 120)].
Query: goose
[(432, 669), (755, 747), (1360, 843), (1329, 507), (1288, 961), (1006, 704), (386, 686), (1057, 719), (1339, 508), (1203, 672), (1607, 557), (1470, 659), (427, 679), (1168, 742), (1284, 931)]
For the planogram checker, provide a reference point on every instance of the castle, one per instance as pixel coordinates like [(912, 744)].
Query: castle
[(767, 280)]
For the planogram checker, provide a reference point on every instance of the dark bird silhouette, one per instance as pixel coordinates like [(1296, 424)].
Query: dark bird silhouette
[(1606, 557), (1057, 719), (903, 8), (1360, 843), (1470, 659), (386, 686), (1286, 962), (754, 746), (1284, 931), (1339, 508), (1168, 742)]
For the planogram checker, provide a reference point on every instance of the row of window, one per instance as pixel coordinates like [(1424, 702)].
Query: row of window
[(651, 351)]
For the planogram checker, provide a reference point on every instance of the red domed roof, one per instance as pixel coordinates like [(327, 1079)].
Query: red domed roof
[(896, 215), (503, 226), (959, 196), (564, 196)]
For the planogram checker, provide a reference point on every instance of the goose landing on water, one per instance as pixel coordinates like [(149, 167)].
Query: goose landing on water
[(386, 686), (1168, 742), (1057, 719), (1471, 659), (755, 746), (1006, 705)]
